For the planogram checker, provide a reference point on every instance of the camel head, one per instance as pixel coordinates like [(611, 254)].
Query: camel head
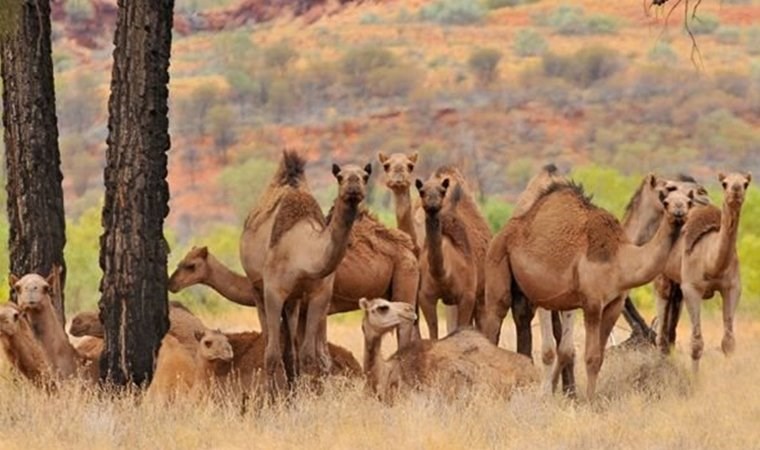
[(735, 187), (398, 169), (677, 205), (685, 183), (213, 345), (193, 269), (32, 291), (83, 323), (352, 182), (382, 316), (10, 315), (432, 192)]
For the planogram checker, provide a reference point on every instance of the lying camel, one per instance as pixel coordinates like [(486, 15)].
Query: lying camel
[(34, 297), (706, 261), (21, 347), (591, 262), (460, 361), (287, 243)]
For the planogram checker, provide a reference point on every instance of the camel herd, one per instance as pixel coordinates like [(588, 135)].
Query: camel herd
[(558, 252)]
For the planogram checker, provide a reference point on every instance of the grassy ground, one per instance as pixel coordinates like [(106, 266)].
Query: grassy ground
[(644, 401)]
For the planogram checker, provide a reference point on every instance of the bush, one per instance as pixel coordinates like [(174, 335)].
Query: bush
[(243, 183), (497, 212), (453, 12), (530, 42), (662, 52), (222, 127), (601, 24), (728, 35), (392, 81), (279, 56), (496, 4), (703, 24), (572, 20), (585, 67), (484, 64)]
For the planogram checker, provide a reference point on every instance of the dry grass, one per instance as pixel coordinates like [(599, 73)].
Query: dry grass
[(645, 401)]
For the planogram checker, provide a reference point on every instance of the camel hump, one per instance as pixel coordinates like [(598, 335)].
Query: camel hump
[(702, 221), (455, 229), (295, 206), (603, 234), (291, 171)]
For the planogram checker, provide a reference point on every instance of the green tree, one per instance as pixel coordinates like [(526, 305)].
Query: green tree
[(243, 183), (221, 122)]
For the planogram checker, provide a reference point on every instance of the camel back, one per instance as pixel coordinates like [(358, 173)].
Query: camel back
[(702, 221), (368, 232), (294, 206)]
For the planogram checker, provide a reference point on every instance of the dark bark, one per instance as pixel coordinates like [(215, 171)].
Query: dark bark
[(133, 251), (35, 197)]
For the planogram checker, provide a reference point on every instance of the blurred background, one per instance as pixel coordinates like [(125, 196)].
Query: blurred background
[(608, 90)]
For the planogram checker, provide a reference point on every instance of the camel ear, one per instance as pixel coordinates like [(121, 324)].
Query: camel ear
[(691, 195), (368, 169), (50, 279), (652, 179), (335, 170), (12, 280), (363, 304), (203, 252), (445, 183), (721, 176), (663, 195), (749, 177), (382, 157), (199, 335), (418, 183), (413, 157)]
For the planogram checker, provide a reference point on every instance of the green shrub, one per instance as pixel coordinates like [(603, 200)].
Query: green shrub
[(394, 81), (530, 42), (703, 24), (369, 19), (662, 52), (484, 64), (728, 35), (497, 212), (279, 56), (244, 183), (583, 68), (572, 20), (357, 62), (496, 4), (453, 12), (601, 24)]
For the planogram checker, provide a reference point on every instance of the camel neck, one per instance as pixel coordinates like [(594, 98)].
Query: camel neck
[(55, 343), (434, 244), (404, 213), (337, 232), (641, 222), (726, 243), (232, 286), (639, 264), (26, 353), (373, 359)]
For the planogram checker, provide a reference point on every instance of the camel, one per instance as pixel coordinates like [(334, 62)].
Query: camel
[(591, 262), (34, 297), (410, 219), (175, 370), (287, 243), (706, 262), (456, 240), (21, 347), (461, 360)]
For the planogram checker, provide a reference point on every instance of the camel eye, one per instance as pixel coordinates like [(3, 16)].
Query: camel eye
[(207, 344), (671, 188), (387, 166), (383, 308), (725, 185), (45, 289), (190, 266), (15, 316), (746, 185), (410, 166)]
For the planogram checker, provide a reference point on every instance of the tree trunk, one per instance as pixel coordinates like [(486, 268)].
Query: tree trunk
[(133, 305), (35, 197)]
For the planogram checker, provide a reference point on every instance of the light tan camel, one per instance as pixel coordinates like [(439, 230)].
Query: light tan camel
[(175, 371), (410, 218), (34, 297), (287, 243), (21, 347), (706, 262), (591, 262), (460, 361)]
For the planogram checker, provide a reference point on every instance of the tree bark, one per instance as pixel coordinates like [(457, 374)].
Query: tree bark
[(133, 251), (35, 196)]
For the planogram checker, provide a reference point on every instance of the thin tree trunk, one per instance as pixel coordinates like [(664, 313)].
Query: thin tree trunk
[(133, 306), (35, 197)]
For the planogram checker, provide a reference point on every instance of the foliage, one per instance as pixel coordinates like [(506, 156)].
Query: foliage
[(728, 35), (82, 260), (530, 42), (374, 71), (243, 183), (496, 212), (572, 20), (484, 64), (221, 121), (280, 56), (453, 12), (76, 105), (392, 81), (611, 189), (496, 4), (585, 67), (753, 40), (704, 23), (662, 53)]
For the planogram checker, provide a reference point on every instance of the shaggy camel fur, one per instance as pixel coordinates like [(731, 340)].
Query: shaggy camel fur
[(460, 361), (21, 347), (591, 263), (34, 297), (706, 262), (287, 243), (456, 241)]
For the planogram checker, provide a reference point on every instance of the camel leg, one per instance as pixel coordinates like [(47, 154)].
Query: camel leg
[(562, 324), (406, 280), (317, 307), (498, 277), (273, 363), (466, 309), (610, 316), (673, 312), (693, 300), (592, 316), (730, 301), (548, 347), (661, 338), (427, 301), (522, 315)]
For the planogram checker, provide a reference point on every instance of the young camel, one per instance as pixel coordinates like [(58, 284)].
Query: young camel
[(460, 361), (706, 262), (34, 297), (21, 347), (591, 261), (287, 243)]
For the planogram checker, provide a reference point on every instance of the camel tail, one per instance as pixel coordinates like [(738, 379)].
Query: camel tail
[(498, 278), (291, 171)]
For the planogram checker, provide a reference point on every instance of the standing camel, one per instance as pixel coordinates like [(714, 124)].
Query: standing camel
[(566, 253), (287, 243), (706, 262)]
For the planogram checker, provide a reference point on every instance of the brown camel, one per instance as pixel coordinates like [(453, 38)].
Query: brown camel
[(706, 262), (566, 253), (21, 347), (287, 243), (410, 218), (34, 297), (460, 361)]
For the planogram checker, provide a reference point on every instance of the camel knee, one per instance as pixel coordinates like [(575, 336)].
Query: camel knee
[(697, 347), (547, 356), (728, 345), (593, 364)]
